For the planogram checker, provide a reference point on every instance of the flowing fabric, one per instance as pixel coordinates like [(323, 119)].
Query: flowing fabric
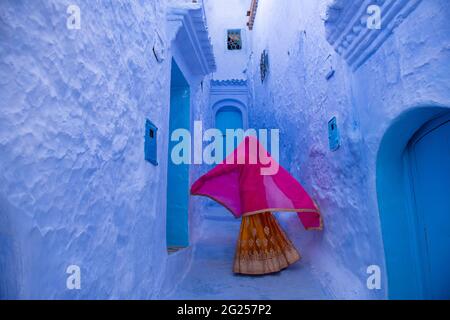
[(241, 184), (263, 247)]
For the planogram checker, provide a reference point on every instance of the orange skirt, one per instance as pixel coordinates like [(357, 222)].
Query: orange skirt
[(263, 247)]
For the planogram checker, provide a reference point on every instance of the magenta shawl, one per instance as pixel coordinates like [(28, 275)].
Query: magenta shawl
[(241, 187)]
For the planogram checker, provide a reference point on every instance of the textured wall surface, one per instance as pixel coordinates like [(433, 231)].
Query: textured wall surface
[(74, 186), (298, 99), (224, 15), (409, 72)]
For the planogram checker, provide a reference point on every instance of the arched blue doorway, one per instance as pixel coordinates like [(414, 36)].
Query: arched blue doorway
[(228, 117), (429, 159), (413, 183), (177, 228)]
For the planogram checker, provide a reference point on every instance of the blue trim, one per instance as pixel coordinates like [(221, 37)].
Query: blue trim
[(396, 205), (231, 82)]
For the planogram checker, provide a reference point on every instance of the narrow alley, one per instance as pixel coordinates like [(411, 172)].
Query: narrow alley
[(116, 117), (210, 273)]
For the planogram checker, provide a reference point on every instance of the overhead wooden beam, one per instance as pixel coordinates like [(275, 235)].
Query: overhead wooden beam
[(252, 14)]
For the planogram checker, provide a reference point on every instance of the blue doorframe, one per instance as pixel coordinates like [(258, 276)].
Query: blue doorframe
[(177, 224), (397, 193)]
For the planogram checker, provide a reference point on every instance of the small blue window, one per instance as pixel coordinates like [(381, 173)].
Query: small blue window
[(150, 142), (333, 135)]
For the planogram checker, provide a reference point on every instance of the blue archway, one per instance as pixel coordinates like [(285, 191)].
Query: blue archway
[(235, 109), (402, 238), (229, 117)]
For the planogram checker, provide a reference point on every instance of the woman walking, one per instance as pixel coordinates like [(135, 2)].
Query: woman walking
[(243, 184)]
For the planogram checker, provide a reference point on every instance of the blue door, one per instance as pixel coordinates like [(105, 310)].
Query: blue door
[(228, 118), (177, 231), (430, 164)]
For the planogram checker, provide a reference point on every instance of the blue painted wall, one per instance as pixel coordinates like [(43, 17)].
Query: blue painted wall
[(411, 68), (75, 188), (74, 185), (222, 16)]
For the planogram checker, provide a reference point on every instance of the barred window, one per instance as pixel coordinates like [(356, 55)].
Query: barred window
[(234, 39)]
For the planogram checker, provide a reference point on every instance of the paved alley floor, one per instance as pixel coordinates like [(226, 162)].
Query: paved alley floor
[(211, 277)]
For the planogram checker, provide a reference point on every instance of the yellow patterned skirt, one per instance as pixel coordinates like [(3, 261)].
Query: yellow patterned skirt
[(263, 247)]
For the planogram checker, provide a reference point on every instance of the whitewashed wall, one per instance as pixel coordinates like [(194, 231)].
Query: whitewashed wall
[(74, 186), (223, 15), (410, 68)]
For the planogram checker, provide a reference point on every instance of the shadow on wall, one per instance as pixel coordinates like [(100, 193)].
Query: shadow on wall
[(407, 265), (9, 258)]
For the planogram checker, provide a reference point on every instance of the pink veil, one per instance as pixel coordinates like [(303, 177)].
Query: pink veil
[(240, 186)]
